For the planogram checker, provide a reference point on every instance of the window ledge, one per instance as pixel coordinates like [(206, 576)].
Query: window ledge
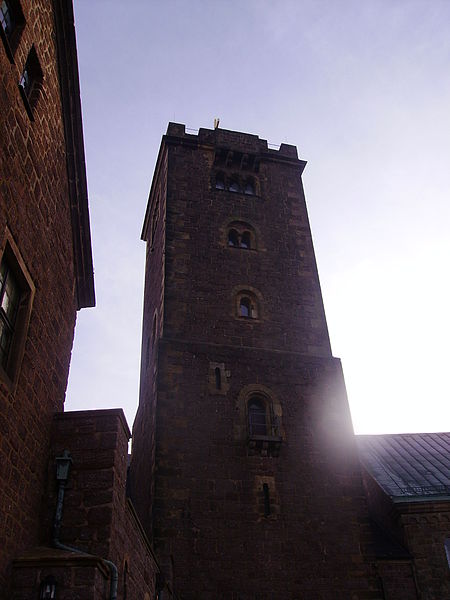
[(26, 103), (237, 193), (264, 445)]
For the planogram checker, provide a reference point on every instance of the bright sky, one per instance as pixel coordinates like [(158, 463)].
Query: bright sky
[(363, 90)]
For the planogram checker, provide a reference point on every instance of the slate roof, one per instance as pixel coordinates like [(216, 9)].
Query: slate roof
[(408, 465)]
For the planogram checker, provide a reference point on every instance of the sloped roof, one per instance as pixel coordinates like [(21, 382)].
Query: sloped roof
[(75, 159), (414, 465)]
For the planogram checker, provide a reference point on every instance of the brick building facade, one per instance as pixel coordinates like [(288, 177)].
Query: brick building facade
[(45, 253), (245, 480), (46, 275)]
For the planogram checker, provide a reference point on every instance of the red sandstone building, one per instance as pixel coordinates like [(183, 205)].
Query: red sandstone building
[(46, 275), (245, 481)]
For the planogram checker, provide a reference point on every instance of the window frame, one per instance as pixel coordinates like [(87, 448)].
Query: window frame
[(9, 254), (254, 309), (35, 76), (258, 400), (11, 40), (249, 187), (240, 230), (261, 445), (234, 182)]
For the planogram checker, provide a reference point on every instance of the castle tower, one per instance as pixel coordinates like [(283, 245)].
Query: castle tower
[(244, 469)]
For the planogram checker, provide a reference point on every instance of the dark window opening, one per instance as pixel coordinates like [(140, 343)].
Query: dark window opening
[(125, 581), (26, 81), (245, 308), (16, 299), (233, 238), (257, 423), (235, 187), (6, 18), (218, 376), (9, 304), (241, 235), (249, 189), (266, 499), (30, 83), (220, 182), (12, 24), (245, 240)]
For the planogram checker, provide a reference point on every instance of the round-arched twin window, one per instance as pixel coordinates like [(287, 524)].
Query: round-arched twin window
[(241, 235), (239, 240)]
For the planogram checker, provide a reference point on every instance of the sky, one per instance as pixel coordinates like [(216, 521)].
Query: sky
[(362, 88)]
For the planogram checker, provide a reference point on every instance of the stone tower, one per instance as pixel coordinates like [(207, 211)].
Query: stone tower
[(244, 468)]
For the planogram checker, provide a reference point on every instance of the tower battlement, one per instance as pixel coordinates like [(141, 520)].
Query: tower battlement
[(233, 140)]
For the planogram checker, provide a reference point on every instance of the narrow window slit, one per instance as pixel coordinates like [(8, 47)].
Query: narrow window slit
[(218, 378), (266, 500)]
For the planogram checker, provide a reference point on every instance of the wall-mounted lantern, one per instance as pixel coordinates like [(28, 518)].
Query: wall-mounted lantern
[(48, 588)]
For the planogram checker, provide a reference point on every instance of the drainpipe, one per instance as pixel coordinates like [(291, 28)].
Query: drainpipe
[(62, 475)]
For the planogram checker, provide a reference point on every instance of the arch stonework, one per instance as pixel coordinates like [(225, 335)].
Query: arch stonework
[(247, 290), (274, 410), (230, 223)]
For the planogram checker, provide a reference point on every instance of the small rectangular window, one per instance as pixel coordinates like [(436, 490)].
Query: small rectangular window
[(16, 297), (266, 499), (30, 83), (12, 23)]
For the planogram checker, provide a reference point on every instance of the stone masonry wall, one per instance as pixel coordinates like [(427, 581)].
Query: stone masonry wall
[(426, 526), (228, 507), (34, 208), (208, 494), (143, 446), (98, 518), (203, 273)]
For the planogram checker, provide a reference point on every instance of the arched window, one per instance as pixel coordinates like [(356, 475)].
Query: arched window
[(245, 240), (257, 422), (234, 186), (245, 308), (241, 235), (233, 238), (220, 181), (249, 188)]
